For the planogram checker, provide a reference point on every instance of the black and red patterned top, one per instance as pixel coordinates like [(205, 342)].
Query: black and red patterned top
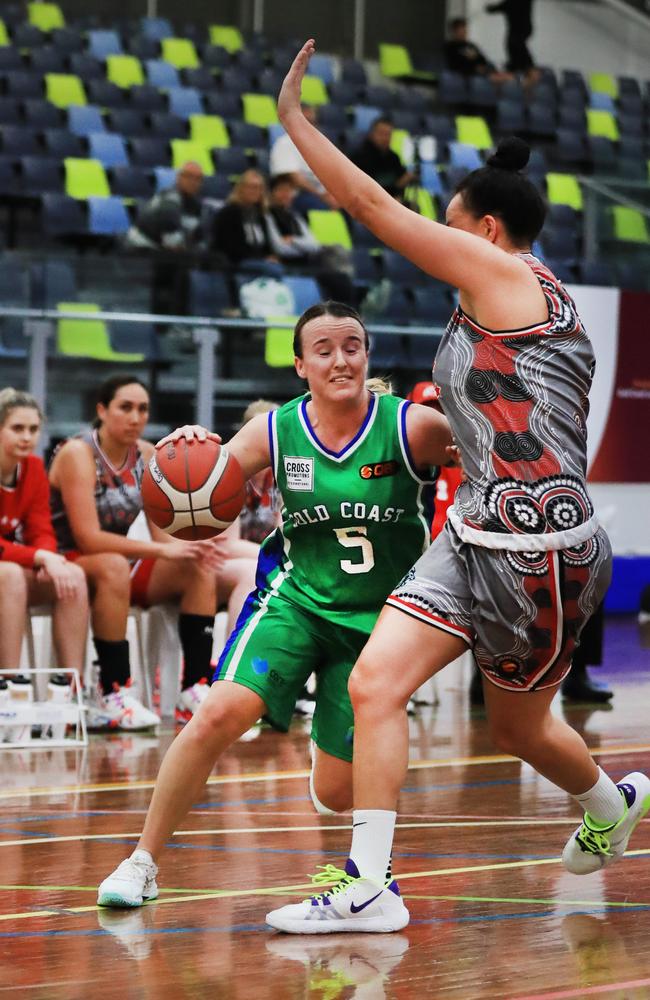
[(517, 403)]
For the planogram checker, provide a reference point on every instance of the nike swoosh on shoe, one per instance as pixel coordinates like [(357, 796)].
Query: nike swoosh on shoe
[(358, 909)]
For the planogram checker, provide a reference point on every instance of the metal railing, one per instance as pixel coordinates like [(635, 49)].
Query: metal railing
[(39, 325)]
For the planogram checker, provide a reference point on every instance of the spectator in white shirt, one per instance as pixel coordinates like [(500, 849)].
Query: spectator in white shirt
[(286, 159)]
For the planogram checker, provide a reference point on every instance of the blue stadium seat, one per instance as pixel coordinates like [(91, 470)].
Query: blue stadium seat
[(156, 28), (208, 293), (630, 125), (560, 243), (85, 119), (47, 60), (161, 73), (430, 178), (602, 102), (422, 349), (573, 118), (462, 155), (452, 88), (51, 281), (22, 85), (107, 216), (343, 92), (410, 121), (62, 215), (215, 57), (269, 82), (231, 161), (167, 126), (184, 101), (597, 272), (143, 48), (108, 148), (482, 93), (366, 266), (305, 290), (69, 40), (510, 117), (363, 115), (322, 66), (10, 182), (401, 271), (250, 60), (150, 152), (562, 216), (10, 59), (541, 121), (164, 178), (134, 338), (382, 97), (563, 269), (59, 142), (40, 113), (361, 236), (215, 187), (129, 122), (106, 94), (227, 106), (14, 292), (86, 67), (432, 304), (236, 80), (144, 97), (353, 71), (441, 126), (603, 154), (248, 136), (17, 141), (131, 182), (332, 115), (200, 78), (571, 148), (389, 350), (102, 43), (39, 174), (10, 111), (28, 36)]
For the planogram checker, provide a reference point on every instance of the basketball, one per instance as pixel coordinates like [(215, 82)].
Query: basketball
[(193, 489)]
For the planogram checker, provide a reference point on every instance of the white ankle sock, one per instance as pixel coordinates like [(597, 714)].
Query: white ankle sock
[(140, 854), (372, 842), (603, 802)]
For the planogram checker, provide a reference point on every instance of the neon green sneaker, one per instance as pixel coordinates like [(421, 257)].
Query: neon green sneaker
[(353, 904), (591, 846)]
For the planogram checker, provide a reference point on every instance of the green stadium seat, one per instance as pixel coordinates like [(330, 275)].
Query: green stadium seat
[(563, 189), (260, 109), (604, 83), (425, 204), (209, 131), (46, 16), (124, 71), (180, 52), (313, 91), (4, 37), (394, 60), (227, 37), (329, 228), (399, 137), (64, 89), (88, 338), (187, 150), (630, 225), (602, 123), (85, 179), (278, 344), (472, 130)]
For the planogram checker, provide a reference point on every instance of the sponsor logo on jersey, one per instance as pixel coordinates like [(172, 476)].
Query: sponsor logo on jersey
[(300, 473), (378, 470)]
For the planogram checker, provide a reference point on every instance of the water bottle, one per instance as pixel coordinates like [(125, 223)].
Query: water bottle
[(59, 690), (21, 691), (5, 703)]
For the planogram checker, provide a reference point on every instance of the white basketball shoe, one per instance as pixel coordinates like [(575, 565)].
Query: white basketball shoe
[(131, 884), (354, 904), (190, 700), (591, 846), (119, 710)]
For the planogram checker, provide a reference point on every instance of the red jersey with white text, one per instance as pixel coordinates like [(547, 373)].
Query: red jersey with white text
[(25, 521)]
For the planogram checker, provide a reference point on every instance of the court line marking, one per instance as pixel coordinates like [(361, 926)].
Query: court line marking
[(302, 887), (585, 991), (260, 776), (435, 825)]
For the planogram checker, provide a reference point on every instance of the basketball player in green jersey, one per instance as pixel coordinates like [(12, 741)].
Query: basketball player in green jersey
[(354, 470)]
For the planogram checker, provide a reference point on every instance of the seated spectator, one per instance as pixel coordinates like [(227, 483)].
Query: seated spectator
[(171, 220), (464, 57), (31, 571), (241, 229), (379, 161), (95, 479), (295, 244), (286, 159)]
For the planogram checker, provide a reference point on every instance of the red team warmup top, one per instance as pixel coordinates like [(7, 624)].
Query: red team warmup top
[(25, 522)]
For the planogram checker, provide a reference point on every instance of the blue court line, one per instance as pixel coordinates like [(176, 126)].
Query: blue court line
[(257, 928)]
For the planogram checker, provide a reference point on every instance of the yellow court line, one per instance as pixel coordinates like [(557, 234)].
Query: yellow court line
[(261, 776), (432, 825), (308, 887)]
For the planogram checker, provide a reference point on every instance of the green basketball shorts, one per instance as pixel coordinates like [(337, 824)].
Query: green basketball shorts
[(274, 648)]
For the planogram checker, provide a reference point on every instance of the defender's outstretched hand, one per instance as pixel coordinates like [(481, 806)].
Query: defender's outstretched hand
[(289, 96)]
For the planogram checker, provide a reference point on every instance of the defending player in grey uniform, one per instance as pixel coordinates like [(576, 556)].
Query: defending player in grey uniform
[(522, 562)]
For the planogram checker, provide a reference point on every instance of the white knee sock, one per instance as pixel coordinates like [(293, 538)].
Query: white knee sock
[(603, 802), (372, 842)]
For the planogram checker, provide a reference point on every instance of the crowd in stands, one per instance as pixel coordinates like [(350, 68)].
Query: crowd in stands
[(133, 137)]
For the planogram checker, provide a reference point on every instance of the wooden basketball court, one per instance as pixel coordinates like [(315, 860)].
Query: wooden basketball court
[(493, 914)]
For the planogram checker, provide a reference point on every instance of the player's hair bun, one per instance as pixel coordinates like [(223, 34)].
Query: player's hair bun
[(511, 154)]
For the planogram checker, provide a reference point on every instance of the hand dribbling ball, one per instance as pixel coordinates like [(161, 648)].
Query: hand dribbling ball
[(193, 489)]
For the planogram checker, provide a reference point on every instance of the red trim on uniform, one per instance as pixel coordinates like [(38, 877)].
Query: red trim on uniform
[(140, 577), (435, 620), (526, 331)]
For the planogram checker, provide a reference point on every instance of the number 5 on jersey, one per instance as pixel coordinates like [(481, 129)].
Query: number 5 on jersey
[(354, 537)]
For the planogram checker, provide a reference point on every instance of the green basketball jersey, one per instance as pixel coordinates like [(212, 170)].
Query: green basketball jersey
[(354, 522)]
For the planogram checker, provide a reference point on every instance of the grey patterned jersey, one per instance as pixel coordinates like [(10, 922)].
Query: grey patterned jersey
[(517, 404), (117, 494)]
